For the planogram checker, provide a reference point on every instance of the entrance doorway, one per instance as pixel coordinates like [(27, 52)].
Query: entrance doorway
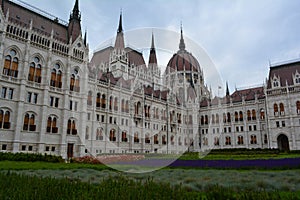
[(283, 143), (70, 150)]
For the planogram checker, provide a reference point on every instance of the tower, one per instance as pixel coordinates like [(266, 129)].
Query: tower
[(74, 27)]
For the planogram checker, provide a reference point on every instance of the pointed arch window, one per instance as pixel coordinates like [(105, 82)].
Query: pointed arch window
[(228, 140), (253, 114), (122, 105), (29, 122), (217, 118), (297, 79), (241, 116), (112, 135), (90, 98), (236, 116), (116, 107), (35, 70), (228, 117), (155, 139), (11, 64), (4, 119), (262, 114), (240, 140), (52, 125), (71, 127), (98, 100), (127, 106), (110, 103), (124, 136), (253, 139), (56, 76), (216, 141), (136, 138), (281, 108), (164, 140), (248, 115), (103, 101), (99, 134), (75, 81), (298, 107), (275, 109), (147, 139)]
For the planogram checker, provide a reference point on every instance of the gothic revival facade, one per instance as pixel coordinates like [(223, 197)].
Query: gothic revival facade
[(55, 100)]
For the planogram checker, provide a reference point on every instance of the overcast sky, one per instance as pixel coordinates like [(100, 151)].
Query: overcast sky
[(240, 36)]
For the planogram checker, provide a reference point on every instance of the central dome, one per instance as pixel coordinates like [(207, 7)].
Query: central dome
[(182, 60)]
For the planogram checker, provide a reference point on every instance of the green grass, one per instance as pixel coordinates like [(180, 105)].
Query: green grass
[(14, 186)]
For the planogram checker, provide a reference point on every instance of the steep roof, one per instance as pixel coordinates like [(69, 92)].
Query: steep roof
[(40, 23), (285, 72)]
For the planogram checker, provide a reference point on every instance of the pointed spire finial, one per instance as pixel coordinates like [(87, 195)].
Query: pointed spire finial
[(120, 29), (85, 38), (152, 41), (227, 89), (181, 44)]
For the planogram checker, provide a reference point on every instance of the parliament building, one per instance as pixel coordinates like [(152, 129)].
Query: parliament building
[(56, 100)]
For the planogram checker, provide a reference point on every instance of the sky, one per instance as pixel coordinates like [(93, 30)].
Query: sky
[(241, 37)]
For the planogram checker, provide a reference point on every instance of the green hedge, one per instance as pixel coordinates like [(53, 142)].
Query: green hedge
[(30, 157)]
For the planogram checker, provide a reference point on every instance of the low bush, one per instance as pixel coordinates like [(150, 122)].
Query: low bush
[(30, 157)]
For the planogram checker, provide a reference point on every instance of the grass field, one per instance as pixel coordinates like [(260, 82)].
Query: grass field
[(36, 180)]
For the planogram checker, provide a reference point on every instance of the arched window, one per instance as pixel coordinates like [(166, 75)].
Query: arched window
[(241, 116), (281, 107), (253, 114), (205, 119), (172, 140), (75, 81), (205, 141), (240, 140), (275, 109), (71, 127), (4, 119), (236, 116), (122, 105), (248, 115), (202, 120), (155, 139), (224, 118), (56, 76), (99, 134), (298, 107), (103, 101), (228, 140), (179, 141), (213, 118), (228, 117), (136, 138), (90, 98), (11, 64), (216, 141), (98, 100), (138, 108), (112, 135), (217, 118), (124, 136), (35, 70), (29, 122), (147, 138), (110, 103), (127, 107), (116, 107), (262, 114), (253, 139), (51, 125), (163, 139)]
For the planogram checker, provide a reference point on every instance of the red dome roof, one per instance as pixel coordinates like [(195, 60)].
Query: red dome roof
[(183, 61)]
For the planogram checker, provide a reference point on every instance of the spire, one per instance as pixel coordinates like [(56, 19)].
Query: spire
[(181, 44), (152, 56), (74, 26), (75, 13), (227, 89), (119, 43), (85, 38), (120, 29)]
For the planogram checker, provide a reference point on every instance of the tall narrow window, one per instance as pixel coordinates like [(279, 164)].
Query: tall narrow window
[(253, 139), (71, 127), (240, 140), (35, 70), (236, 116), (56, 76), (112, 135), (124, 136), (281, 107), (99, 134), (11, 64), (241, 116), (29, 122), (89, 99), (248, 115), (275, 109), (98, 100), (298, 107), (228, 140), (253, 114), (75, 81), (4, 119), (136, 138)]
